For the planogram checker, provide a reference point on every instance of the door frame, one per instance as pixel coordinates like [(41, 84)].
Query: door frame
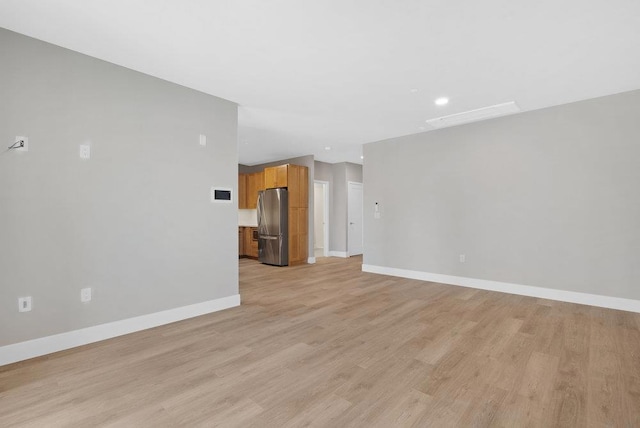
[(362, 186), (325, 213)]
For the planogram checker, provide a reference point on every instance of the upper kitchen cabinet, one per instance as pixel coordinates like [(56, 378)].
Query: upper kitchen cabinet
[(242, 191), (255, 183), (276, 176), (298, 185)]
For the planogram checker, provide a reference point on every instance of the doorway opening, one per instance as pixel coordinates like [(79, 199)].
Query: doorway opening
[(321, 218)]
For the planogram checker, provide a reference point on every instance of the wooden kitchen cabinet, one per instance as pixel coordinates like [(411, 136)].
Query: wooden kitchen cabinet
[(260, 182), (298, 190), (240, 241), (252, 192), (255, 183), (253, 248), (298, 179), (247, 240), (242, 191), (250, 244), (298, 235), (276, 176)]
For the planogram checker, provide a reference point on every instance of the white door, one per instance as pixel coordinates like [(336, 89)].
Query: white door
[(354, 209), (321, 219)]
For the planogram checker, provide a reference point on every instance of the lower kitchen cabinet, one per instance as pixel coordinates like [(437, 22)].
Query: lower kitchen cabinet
[(248, 241)]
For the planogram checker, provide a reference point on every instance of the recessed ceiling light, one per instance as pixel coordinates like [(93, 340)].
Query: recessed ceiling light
[(442, 101), (327, 148), (361, 157), (413, 90)]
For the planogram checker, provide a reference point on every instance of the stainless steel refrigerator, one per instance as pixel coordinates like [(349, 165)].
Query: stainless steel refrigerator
[(273, 225)]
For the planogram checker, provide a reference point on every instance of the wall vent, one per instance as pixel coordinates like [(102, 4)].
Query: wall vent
[(475, 115)]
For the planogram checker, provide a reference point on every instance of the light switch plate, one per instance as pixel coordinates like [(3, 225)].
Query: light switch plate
[(85, 295), (85, 151), (203, 140), (24, 304)]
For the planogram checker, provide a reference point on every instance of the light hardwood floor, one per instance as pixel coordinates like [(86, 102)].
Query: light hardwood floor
[(328, 345)]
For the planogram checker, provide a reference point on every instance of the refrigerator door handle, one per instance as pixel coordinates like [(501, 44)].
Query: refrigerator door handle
[(270, 237)]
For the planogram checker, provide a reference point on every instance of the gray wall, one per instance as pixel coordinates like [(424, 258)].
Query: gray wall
[(338, 175), (546, 198), (353, 172), (322, 171), (134, 222), (302, 161)]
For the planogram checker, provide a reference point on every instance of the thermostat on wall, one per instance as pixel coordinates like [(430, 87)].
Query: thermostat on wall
[(221, 194)]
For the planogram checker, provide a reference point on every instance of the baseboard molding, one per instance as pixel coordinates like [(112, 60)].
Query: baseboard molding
[(71, 339), (311, 260), (506, 287), (338, 254)]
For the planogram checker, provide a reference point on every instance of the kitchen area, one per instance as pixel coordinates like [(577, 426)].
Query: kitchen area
[(273, 214), (248, 187)]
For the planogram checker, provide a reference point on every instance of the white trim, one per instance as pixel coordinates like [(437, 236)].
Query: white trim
[(338, 254), (506, 287), (59, 342), (311, 260)]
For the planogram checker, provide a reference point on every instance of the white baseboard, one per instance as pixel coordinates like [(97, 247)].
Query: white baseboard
[(506, 287), (59, 342), (338, 254), (311, 260)]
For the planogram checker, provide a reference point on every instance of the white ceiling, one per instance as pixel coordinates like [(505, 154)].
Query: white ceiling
[(310, 74)]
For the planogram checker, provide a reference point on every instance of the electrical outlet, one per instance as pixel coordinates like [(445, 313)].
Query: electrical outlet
[(24, 304), (85, 295), (463, 258)]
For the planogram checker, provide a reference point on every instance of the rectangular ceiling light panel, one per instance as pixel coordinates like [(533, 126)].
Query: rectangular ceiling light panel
[(475, 115)]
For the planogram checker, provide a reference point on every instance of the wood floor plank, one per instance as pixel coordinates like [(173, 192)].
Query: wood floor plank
[(329, 345)]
